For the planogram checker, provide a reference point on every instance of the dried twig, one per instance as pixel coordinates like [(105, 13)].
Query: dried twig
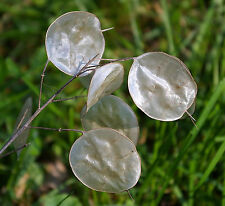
[(128, 192), (41, 84), (69, 98), (16, 150), (192, 119), (55, 129), (110, 61)]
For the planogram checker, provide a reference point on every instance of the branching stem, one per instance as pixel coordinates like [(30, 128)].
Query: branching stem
[(16, 150), (52, 98), (38, 111), (55, 129), (65, 99)]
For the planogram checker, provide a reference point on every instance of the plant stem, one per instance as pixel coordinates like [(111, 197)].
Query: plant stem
[(65, 99), (107, 29), (20, 131), (42, 79), (128, 192), (55, 129), (16, 150)]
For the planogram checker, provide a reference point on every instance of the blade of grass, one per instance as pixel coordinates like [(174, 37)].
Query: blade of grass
[(192, 136), (223, 199), (134, 25), (211, 166), (166, 21), (12, 99), (204, 28), (191, 183)]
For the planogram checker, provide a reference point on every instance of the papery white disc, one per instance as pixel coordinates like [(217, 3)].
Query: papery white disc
[(73, 39), (104, 160), (23, 117), (106, 80), (161, 86), (114, 113)]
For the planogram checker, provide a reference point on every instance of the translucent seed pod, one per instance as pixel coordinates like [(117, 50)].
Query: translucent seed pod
[(112, 112), (73, 39), (106, 80), (104, 160), (86, 80), (161, 86), (22, 118)]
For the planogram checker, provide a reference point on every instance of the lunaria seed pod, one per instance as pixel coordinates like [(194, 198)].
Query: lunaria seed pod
[(106, 80), (112, 112), (23, 117), (161, 86), (105, 160), (86, 80), (73, 39)]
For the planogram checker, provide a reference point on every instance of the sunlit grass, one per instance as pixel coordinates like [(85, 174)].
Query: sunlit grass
[(181, 164)]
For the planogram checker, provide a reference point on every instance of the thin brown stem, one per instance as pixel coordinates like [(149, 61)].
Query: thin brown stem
[(128, 192), (41, 84), (58, 130), (87, 70), (118, 60), (18, 126), (38, 111), (65, 99), (192, 119), (110, 61), (16, 150), (85, 67)]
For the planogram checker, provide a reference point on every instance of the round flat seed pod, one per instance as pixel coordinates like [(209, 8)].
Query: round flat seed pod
[(106, 80), (112, 112), (73, 39), (104, 160), (161, 86)]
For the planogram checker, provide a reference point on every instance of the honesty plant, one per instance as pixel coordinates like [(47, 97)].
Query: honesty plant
[(104, 158)]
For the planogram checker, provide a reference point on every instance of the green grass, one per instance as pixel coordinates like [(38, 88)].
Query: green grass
[(181, 164)]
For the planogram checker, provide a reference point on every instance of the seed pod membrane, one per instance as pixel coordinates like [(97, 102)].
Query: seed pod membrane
[(104, 160), (86, 80), (73, 39), (161, 86), (106, 80), (23, 117), (112, 112)]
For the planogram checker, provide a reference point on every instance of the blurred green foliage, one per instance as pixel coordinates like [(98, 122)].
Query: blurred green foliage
[(181, 165)]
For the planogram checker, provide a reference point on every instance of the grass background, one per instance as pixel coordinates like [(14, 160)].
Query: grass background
[(181, 165)]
